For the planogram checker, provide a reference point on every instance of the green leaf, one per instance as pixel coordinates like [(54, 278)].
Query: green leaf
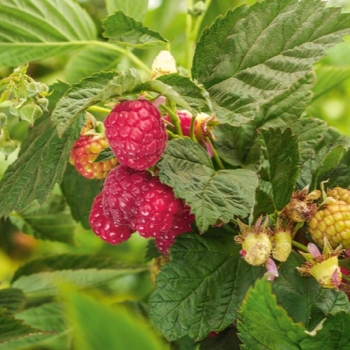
[(91, 90), (193, 94), (168, 92), (49, 318), (328, 153), (279, 169), (105, 154), (64, 262), (133, 8), (328, 78), (303, 297), (91, 60), (225, 340), (12, 300), (11, 328), (214, 196), (78, 198), (196, 299), (262, 324), (47, 283), (51, 221), (252, 55), (332, 335), (97, 326), (120, 28), (36, 29), (41, 163)]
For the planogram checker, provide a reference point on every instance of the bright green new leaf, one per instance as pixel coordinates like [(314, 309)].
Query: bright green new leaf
[(92, 90), (49, 318), (11, 300), (332, 334), (47, 283), (97, 327), (11, 328), (123, 29), (36, 29), (253, 55), (50, 221), (91, 60), (74, 187), (197, 298), (133, 8), (279, 169), (263, 325), (214, 196), (66, 262), (41, 162)]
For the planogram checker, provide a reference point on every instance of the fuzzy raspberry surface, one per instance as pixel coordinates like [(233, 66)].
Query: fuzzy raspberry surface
[(85, 151), (136, 134), (139, 201)]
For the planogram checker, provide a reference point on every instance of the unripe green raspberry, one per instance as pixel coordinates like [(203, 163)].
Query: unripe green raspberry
[(333, 222), (282, 244)]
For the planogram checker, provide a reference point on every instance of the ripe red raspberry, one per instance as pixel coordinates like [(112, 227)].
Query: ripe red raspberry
[(136, 134), (140, 201), (103, 225), (85, 151)]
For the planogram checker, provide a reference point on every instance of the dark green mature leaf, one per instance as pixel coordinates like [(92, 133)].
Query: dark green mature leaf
[(279, 169), (64, 262), (91, 60), (225, 340), (91, 90), (211, 289), (193, 94), (303, 297), (51, 221), (332, 335), (136, 9), (79, 193), (255, 54), (262, 324), (11, 328), (97, 326), (37, 29), (328, 153), (42, 161), (214, 196), (49, 318), (12, 300), (120, 28)]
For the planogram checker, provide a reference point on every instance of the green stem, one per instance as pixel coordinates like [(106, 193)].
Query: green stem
[(172, 135), (215, 154), (99, 109), (174, 119), (199, 21), (189, 38), (300, 246), (124, 52), (192, 134)]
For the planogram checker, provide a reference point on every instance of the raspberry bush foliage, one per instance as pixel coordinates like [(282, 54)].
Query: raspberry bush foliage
[(172, 180)]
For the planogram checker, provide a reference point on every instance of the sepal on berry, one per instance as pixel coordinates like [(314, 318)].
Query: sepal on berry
[(324, 267)]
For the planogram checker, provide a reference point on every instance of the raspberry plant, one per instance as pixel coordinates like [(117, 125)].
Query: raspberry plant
[(226, 170)]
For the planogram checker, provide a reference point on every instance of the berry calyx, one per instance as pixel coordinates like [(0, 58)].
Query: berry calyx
[(85, 150), (136, 134)]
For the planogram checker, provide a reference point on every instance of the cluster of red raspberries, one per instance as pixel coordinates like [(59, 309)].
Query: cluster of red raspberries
[(132, 199)]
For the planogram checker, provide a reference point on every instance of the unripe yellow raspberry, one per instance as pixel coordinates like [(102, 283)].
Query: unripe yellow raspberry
[(333, 222)]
